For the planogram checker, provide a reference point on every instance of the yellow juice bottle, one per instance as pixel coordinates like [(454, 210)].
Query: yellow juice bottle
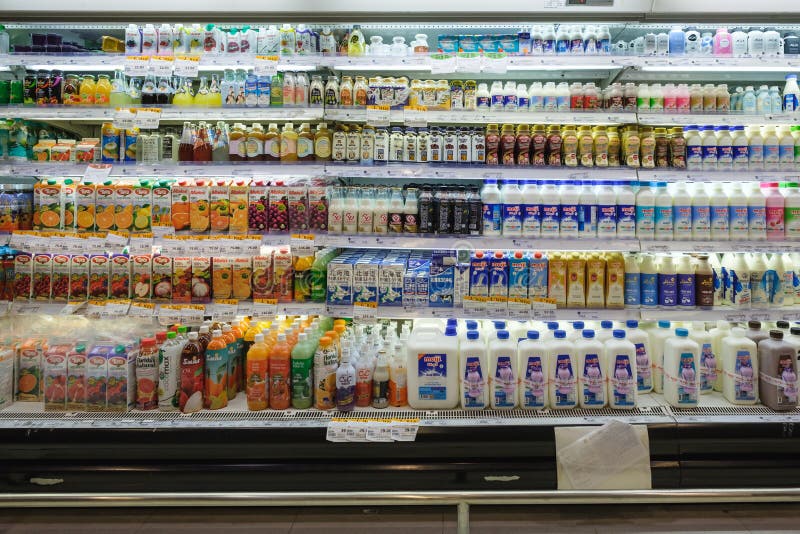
[(102, 90), (88, 90)]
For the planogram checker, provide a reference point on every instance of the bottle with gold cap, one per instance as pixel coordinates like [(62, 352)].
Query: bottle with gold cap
[(508, 141), (600, 146), (631, 144), (538, 146), (677, 148), (492, 144), (523, 147), (553, 147), (613, 147), (586, 146), (647, 148), (662, 148), (569, 147)]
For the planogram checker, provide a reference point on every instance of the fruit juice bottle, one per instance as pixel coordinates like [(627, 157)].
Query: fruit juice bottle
[(288, 144), (88, 90), (216, 372), (234, 363), (237, 329), (147, 375), (192, 375), (184, 96), (102, 90), (257, 376), (280, 374)]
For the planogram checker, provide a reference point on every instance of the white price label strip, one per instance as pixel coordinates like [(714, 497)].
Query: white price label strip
[(265, 308), (337, 432), (162, 65), (136, 65), (443, 64), (97, 172), (225, 309), (27, 308), (147, 118), (266, 65), (365, 312), (379, 115), (142, 309), (124, 118), (71, 308), (187, 66)]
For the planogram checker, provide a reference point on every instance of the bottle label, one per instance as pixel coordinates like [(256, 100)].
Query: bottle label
[(474, 383), (682, 221), (568, 219), (492, 220), (504, 383), (534, 384), (686, 379), (792, 222), (622, 383), (738, 220), (644, 380), (632, 289), (512, 219), (774, 219), (786, 156), (483, 102), (664, 225), (593, 381), (686, 296), (587, 219), (532, 220), (790, 102), (550, 224), (756, 154), (708, 367), (771, 156), (701, 221), (649, 284), (626, 220), (607, 220), (564, 382), (719, 221), (694, 156), (645, 221), (744, 377), (757, 219), (432, 376), (667, 289), (305, 148), (710, 155), (497, 101), (740, 157)]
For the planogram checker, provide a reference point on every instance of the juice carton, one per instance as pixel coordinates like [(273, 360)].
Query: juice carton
[(278, 208), (595, 282), (42, 150), (263, 277), (141, 277), (97, 377), (297, 197), (79, 277), (282, 265), (87, 152), (85, 208), (557, 280), (123, 207), (42, 276), (615, 281), (61, 278), (120, 271), (63, 151), (105, 207), (121, 386), (182, 280), (29, 370), (162, 278), (68, 199), (162, 209), (317, 209), (220, 214), (201, 279), (576, 282), (99, 272), (142, 208), (55, 377), (109, 140), (128, 147), (242, 276), (180, 206), (48, 213), (6, 376), (302, 260), (23, 276), (518, 272), (238, 197), (258, 202), (76, 378), (222, 279), (199, 216)]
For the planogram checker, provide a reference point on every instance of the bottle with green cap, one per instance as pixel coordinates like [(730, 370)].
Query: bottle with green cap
[(76, 379)]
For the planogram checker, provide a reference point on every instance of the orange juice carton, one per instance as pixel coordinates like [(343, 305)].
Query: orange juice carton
[(79, 277), (595, 282), (121, 385), (105, 206), (258, 201), (182, 280), (99, 270), (42, 276), (128, 145), (61, 277), (109, 141), (85, 207), (242, 274), (23, 276), (220, 214), (141, 277), (238, 195), (87, 151), (68, 189), (123, 207), (7, 357), (77, 361), (119, 286), (297, 203), (55, 377), (162, 278), (282, 267), (63, 152), (199, 217), (142, 208), (201, 279), (317, 209), (97, 377), (48, 213), (222, 279), (162, 208), (278, 209), (180, 206), (42, 150), (263, 277), (29, 370)]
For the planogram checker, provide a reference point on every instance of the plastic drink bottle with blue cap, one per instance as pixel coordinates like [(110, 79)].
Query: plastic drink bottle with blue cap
[(532, 360), (621, 371), (474, 372), (590, 354), (562, 365), (503, 374), (681, 370), (657, 339)]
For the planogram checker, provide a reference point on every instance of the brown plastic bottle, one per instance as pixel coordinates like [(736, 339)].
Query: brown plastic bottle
[(538, 146), (553, 147), (508, 142), (492, 145), (777, 370), (523, 148)]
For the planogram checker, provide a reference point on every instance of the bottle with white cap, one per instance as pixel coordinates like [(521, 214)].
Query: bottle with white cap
[(739, 357)]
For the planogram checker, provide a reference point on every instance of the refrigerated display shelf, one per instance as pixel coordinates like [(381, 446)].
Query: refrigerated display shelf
[(683, 175), (716, 119), (82, 114), (247, 169), (719, 246), (107, 62), (485, 117), (476, 242), (725, 313)]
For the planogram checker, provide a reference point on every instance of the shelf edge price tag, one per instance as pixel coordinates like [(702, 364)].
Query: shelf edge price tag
[(124, 118), (365, 312), (495, 62), (115, 239), (468, 62), (415, 116), (71, 308), (96, 308), (519, 308), (474, 304), (97, 172), (443, 64), (187, 66), (265, 308), (302, 242), (136, 65), (147, 118), (162, 65), (117, 307), (142, 309), (405, 429), (266, 65), (225, 309), (497, 306), (26, 307), (379, 115)]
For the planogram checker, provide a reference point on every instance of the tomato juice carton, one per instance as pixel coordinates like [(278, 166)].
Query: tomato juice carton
[(263, 277), (61, 277), (120, 277), (199, 214), (99, 272), (142, 208), (162, 278), (182, 280), (123, 207), (105, 207), (201, 279), (6, 376), (180, 206), (79, 277), (242, 275), (258, 202), (161, 213), (29, 370), (220, 209), (121, 385), (238, 195), (141, 277), (283, 274), (222, 279), (77, 361), (68, 188), (42, 276), (23, 276), (48, 212), (55, 377), (85, 208), (97, 377)]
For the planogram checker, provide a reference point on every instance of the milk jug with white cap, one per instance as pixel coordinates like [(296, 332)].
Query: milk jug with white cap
[(718, 333), (681, 376), (592, 368), (502, 357), (563, 383), (621, 372), (474, 372), (533, 372), (739, 357)]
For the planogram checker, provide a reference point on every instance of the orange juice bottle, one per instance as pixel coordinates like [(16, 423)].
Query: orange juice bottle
[(234, 368), (88, 90), (216, 370), (102, 90), (257, 363), (279, 374)]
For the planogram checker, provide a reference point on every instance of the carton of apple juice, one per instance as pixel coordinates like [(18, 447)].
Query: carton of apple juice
[(141, 277)]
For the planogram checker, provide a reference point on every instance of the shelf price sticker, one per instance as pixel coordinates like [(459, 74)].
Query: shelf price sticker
[(443, 64), (124, 118), (379, 430), (468, 62), (72, 307), (97, 172), (266, 65), (265, 308), (187, 66), (543, 308), (475, 304), (405, 429), (495, 62), (147, 118), (304, 243), (365, 312), (25, 307), (188, 313), (336, 431), (136, 65), (497, 306), (96, 308), (141, 243), (117, 307), (225, 309), (415, 116), (519, 308), (162, 65), (379, 115), (142, 309), (115, 239)]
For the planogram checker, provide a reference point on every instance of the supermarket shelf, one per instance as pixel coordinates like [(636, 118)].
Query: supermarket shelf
[(713, 408), (109, 62), (480, 117), (474, 172), (676, 175), (720, 246), (168, 113), (725, 313), (400, 312), (721, 119), (475, 242), (180, 169)]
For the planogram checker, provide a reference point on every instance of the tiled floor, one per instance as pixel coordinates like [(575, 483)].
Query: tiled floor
[(733, 519)]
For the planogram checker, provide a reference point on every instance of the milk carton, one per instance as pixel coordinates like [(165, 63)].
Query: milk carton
[(479, 275), (390, 281), (498, 275), (442, 280), (365, 280), (518, 273), (537, 279), (340, 281)]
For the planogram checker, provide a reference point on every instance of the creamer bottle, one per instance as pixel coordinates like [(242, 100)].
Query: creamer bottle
[(701, 214), (758, 282), (777, 360), (621, 358), (563, 385), (709, 148), (589, 207), (590, 354), (633, 291), (739, 357), (681, 377), (474, 372)]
